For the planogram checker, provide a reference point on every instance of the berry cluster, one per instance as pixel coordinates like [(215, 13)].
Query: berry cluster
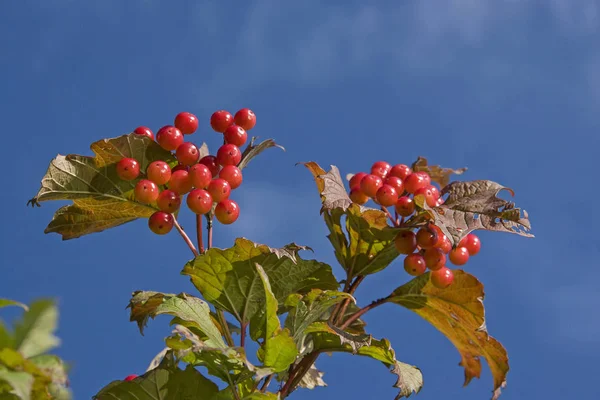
[(427, 248), (207, 181)]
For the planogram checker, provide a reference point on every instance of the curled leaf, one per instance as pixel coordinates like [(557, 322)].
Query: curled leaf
[(437, 173)]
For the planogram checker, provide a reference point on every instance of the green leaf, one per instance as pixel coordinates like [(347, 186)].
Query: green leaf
[(266, 322), (279, 352), (34, 334), (13, 360), (458, 313), (475, 205), (166, 382), (6, 339), (101, 200), (437, 173), (368, 246), (21, 384), (7, 302), (229, 280), (186, 308), (253, 150), (54, 368)]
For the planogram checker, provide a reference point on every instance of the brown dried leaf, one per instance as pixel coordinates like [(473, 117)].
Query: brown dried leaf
[(253, 150), (437, 173)]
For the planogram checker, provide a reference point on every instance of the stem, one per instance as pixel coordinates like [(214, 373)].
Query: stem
[(185, 237), (387, 212), (297, 373), (266, 383), (226, 332), (199, 233), (344, 305), (243, 335), (362, 311), (236, 395), (209, 227)]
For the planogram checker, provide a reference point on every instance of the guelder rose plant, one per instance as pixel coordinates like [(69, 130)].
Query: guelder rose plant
[(294, 308)]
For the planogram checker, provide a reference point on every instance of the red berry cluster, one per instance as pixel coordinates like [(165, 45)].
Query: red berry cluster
[(397, 186), (206, 181)]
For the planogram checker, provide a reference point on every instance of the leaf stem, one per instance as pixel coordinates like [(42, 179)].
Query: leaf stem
[(185, 237), (266, 383), (344, 305), (243, 335), (363, 311), (226, 331), (199, 233), (297, 373)]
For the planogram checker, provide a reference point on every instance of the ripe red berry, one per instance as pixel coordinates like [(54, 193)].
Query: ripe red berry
[(429, 193), (211, 163), (159, 172), (426, 239), (161, 222), (168, 201), (221, 120), (381, 169), (459, 256), (227, 211), (229, 154), (434, 258), (444, 244), (405, 242), (219, 189), (395, 182), (130, 377), (235, 135), (357, 196), (199, 201), (128, 169), (442, 278), (370, 184), (425, 176), (180, 181), (180, 167), (414, 264), (245, 118), (231, 174), (414, 182), (405, 206), (187, 153), (387, 195), (186, 122), (144, 131), (200, 176), (146, 191), (472, 243), (356, 179), (169, 137), (401, 171)]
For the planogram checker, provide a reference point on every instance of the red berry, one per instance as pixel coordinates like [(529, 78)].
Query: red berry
[(180, 182), (245, 118), (128, 169), (235, 135), (168, 201), (169, 137), (146, 191), (356, 179), (187, 153), (221, 120), (357, 196), (442, 278), (426, 239), (231, 174), (200, 176), (180, 167), (414, 264), (161, 222), (405, 206), (444, 244), (425, 176), (459, 256), (144, 131), (370, 184), (405, 242), (130, 377), (229, 154), (381, 169), (186, 122), (429, 194), (434, 258), (219, 189), (387, 195), (227, 211), (211, 163), (414, 182), (401, 171), (472, 243), (159, 172), (199, 201), (395, 182)]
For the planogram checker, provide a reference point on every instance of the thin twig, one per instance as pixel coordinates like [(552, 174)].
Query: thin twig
[(226, 331), (387, 212), (199, 233), (266, 383), (362, 311), (185, 237), (297, 373), (351, 289)]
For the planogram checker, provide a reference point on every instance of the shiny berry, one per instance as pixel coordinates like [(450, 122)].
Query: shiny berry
[(144, 131), (429, 193), (356, 179), (459, 256), (434, 258), (235, 135), (426, 239), (381, 169), (200, 176), (187, 153), (444, 244), (357, 196), (442, 278), (405, 242), (245, 118), (414, 182), (161, 222), (211, 163), (401, 171), (231, 174), (227, 211), (168, 201), (425, 176), (370, 184), (414, 264), (159, 172), (130, 378), (472, 243), (146, 191), (169, 137), (395, 182), (180, 181), (229, 154), (405, 206), (186, 122), (387, 195), (219, 189), (199, 201), (128, 169), (221, 120)]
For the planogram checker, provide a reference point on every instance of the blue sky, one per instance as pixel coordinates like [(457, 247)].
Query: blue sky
[(510, 89)]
